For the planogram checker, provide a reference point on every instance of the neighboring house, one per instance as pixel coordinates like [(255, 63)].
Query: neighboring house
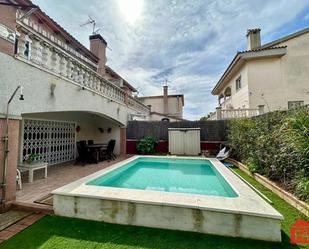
[(69, 92), (273, 76), (165, 107)]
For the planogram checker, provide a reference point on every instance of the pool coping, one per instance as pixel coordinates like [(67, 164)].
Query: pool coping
[(248, 202)]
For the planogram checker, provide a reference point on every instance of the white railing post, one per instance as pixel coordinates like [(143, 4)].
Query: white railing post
[(260, 109), (218, 113)]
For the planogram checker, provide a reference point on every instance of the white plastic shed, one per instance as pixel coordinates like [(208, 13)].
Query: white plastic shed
[(184, 141)]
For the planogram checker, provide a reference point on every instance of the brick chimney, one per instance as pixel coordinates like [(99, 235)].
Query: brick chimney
[(253, 38), (98, 47), (165, 99)]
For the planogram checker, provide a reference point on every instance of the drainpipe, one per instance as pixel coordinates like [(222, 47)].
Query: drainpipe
[(5, 140)]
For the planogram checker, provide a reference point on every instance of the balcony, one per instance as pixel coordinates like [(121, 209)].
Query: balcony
[(44, 51), (223, 114)]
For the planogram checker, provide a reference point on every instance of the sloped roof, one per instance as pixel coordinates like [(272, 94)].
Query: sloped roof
[(161, 96), (112, 72), (285, 38), (57, 28)]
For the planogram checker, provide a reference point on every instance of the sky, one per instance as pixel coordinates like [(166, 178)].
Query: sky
[(187, 42)]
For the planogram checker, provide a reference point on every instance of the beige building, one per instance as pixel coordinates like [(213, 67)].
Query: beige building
[(165, 107), (273, 76)]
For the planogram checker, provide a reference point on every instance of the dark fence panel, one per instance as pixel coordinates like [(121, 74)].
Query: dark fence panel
[(210, 130)]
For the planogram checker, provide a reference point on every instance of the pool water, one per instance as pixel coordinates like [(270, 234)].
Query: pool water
[(169, 175)]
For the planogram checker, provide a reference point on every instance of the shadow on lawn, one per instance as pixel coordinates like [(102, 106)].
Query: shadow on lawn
[(59, 232)]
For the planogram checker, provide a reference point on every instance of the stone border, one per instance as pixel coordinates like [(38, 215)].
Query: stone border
[(288, 197), (19, 226)]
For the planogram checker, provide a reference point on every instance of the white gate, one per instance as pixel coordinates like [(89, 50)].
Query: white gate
[(53, 141), (184, 141)]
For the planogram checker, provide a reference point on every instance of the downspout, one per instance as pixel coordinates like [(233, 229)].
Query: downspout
[(5, 140)]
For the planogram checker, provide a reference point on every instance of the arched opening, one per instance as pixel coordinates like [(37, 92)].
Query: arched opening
[(227, 93), (221, 99), (165, 119)]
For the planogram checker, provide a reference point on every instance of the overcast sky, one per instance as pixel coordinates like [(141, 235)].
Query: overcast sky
[(188, 42)]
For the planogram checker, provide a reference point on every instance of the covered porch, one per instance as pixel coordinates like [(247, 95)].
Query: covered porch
[(52, 137)]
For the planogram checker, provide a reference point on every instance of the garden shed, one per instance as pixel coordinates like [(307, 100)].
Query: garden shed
[(184, 141)]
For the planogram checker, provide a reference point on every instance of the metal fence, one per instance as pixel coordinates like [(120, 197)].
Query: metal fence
[(210, 130)]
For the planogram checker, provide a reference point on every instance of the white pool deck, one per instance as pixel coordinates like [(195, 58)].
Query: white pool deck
[(247, 215)]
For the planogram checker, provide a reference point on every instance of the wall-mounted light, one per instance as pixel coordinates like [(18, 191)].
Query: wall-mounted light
[(21, 97), (52, 88)]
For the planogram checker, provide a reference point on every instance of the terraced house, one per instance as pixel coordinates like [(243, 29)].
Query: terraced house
[(64, 92), (264, 78)]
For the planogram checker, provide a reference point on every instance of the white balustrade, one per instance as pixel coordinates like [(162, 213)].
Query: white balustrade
[(47, 57), (233, 113)]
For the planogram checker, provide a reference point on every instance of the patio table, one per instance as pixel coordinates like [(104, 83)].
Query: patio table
[(31, 167), (96, 149)]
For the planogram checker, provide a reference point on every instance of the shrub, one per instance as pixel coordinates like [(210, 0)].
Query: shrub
[(146, 145), (275, 145)]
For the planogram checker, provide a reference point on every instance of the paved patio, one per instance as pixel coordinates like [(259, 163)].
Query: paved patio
[(58, 175)]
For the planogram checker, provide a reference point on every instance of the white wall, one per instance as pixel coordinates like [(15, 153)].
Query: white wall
[(239, 98), (265, 79), (37, 93)]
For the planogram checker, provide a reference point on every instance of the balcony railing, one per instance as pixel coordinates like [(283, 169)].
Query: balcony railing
[(35, 49), (221, 114)]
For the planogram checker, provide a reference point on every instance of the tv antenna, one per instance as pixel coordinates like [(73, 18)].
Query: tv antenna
[(92, 22), (94, 30), (166, 82)]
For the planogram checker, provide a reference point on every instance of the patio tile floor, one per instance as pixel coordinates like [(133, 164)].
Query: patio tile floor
[(58, 176)]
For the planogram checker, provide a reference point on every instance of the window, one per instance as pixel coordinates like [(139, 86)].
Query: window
[(294, 104), (16, 45), (238, 83), (27, 50)]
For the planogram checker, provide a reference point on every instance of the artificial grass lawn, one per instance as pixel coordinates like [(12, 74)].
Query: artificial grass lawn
[(62, 233)]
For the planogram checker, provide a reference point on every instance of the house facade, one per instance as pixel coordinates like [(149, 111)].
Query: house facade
[(65, 92), (165, 107), (273, 76)]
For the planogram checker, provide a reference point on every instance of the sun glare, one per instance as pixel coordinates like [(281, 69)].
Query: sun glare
[(131, 9)]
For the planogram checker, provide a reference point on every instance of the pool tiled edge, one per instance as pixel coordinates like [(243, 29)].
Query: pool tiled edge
[(247, 215)]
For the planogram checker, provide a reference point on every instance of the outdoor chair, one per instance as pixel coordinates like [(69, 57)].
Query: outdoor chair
[(108, 154), (18, 179), (83, 152), (223, 154)]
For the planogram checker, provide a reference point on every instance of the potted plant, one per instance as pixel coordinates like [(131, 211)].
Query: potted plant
[(146, 145), (30, 158)]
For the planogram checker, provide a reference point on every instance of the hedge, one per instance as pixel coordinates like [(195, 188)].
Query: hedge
[(275, 145)]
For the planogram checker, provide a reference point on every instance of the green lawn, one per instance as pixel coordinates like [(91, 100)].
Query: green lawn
[(62, 233)]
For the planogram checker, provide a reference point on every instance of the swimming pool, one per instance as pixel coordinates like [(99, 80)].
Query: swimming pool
[(168, 175), (181, 193)]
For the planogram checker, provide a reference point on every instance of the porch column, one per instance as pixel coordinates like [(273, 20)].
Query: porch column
[(218, 113), (13, 142), (123, 140)]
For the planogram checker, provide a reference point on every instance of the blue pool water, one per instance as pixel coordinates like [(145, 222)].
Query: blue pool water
[(169, 175)]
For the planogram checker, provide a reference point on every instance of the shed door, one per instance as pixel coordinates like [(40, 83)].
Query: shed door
[(184, 142), (176, 142), (192, 143)]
